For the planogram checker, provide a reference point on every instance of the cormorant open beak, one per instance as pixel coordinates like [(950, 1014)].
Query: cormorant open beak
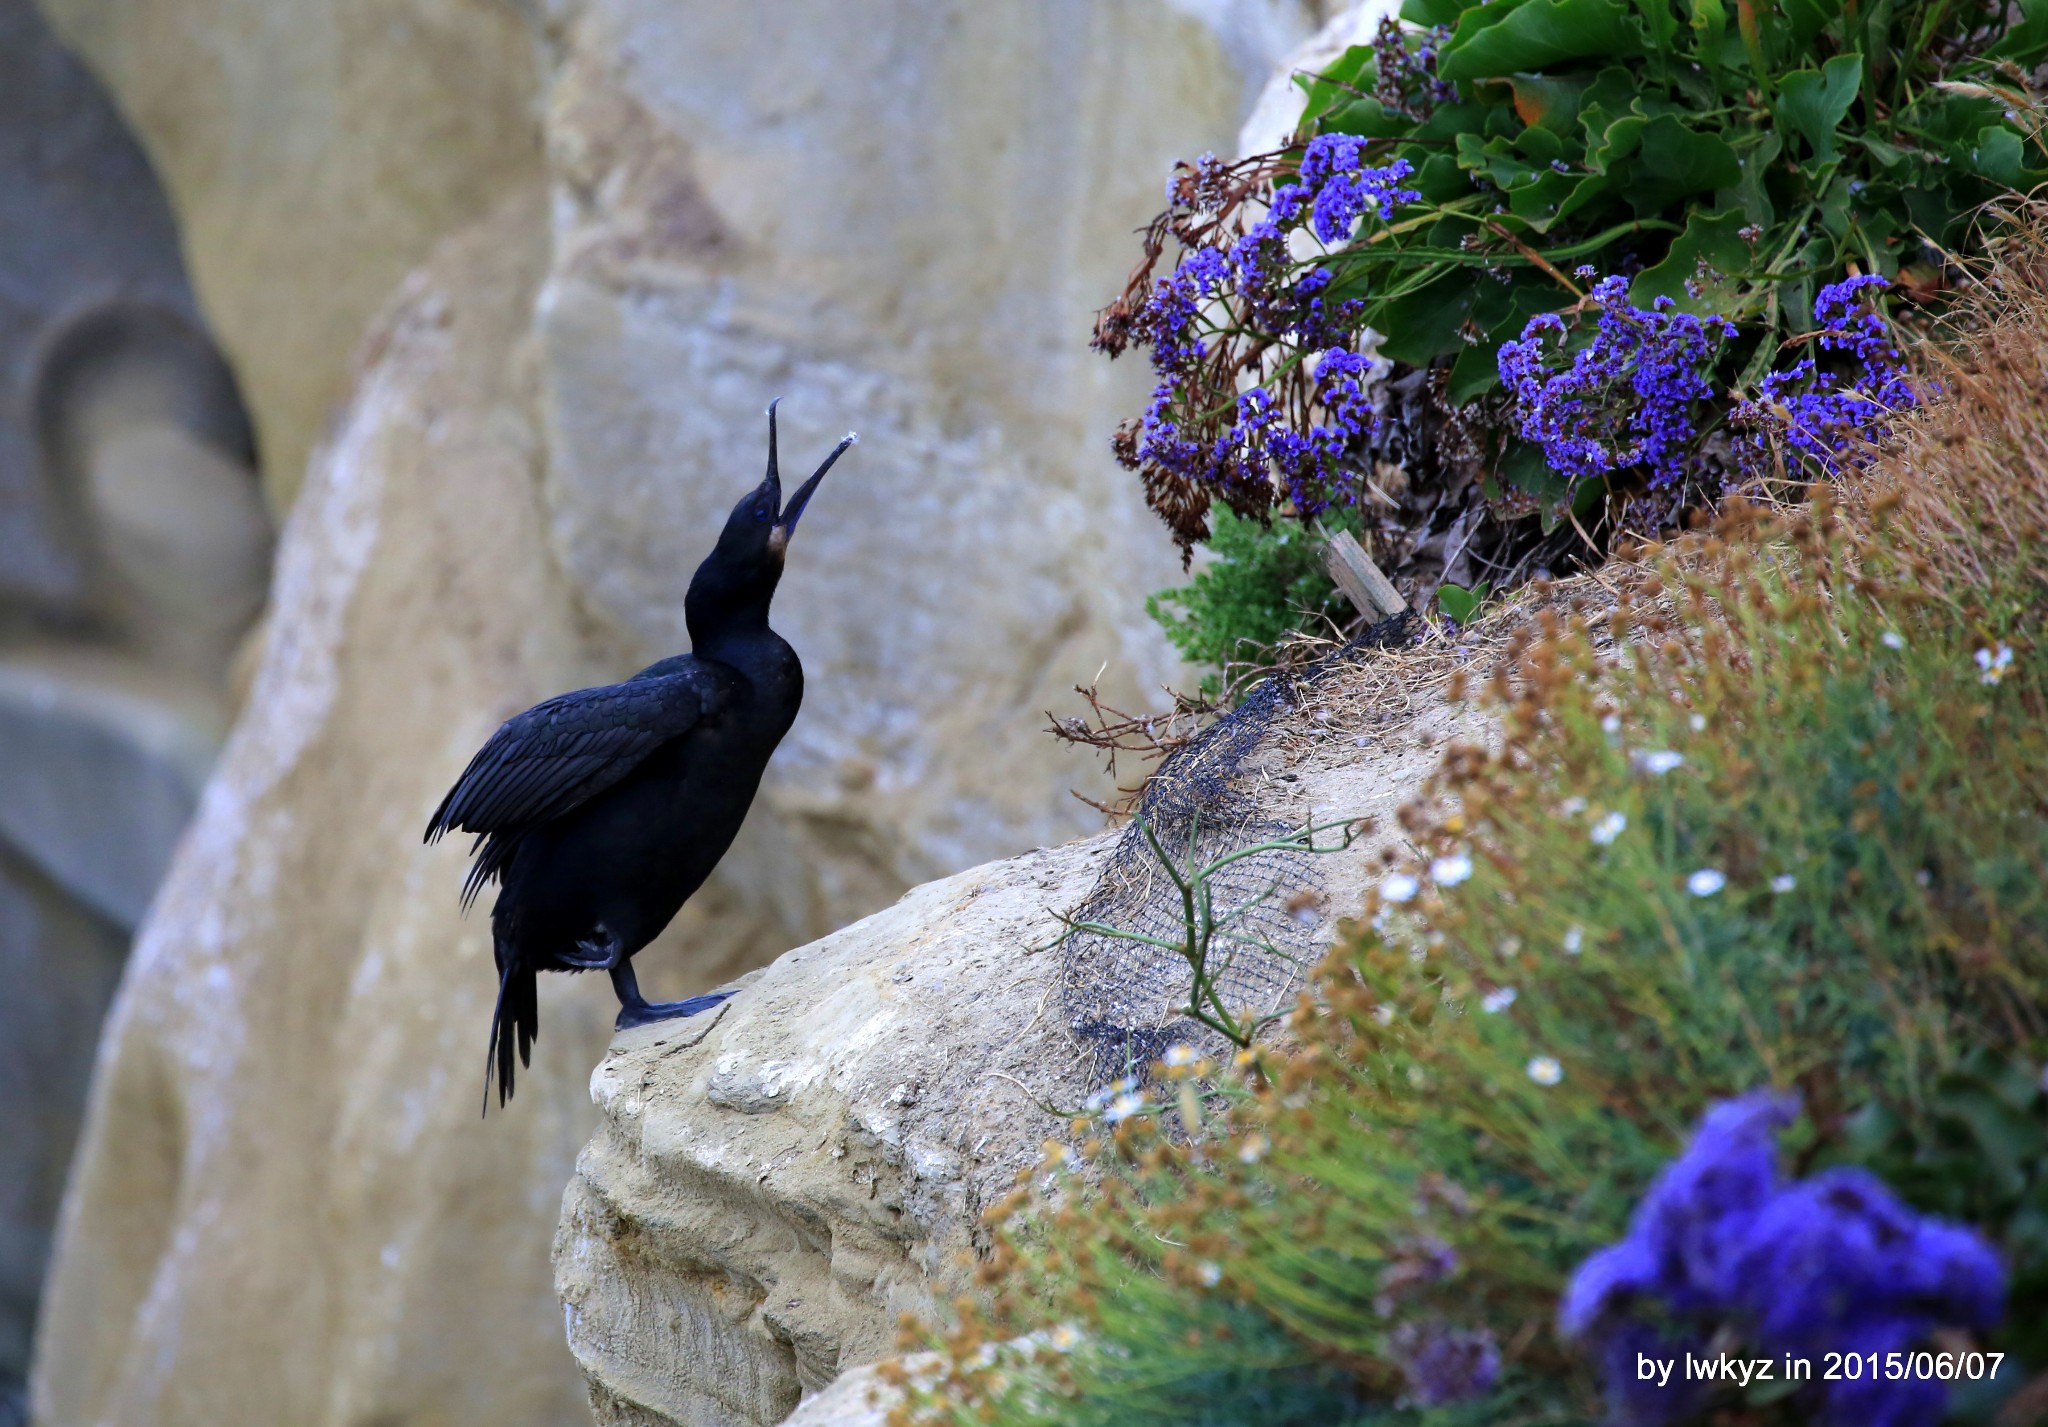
[(786, 522)]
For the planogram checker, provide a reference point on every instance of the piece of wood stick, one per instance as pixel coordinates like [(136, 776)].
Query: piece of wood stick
[(1370, 591)]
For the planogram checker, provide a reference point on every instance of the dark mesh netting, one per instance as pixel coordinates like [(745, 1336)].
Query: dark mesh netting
[(1126, 999)]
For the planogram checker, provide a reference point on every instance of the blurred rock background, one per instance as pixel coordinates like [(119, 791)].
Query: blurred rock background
[(467, 309)]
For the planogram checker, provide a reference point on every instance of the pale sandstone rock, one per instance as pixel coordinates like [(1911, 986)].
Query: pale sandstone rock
[(901, 224), (315, 152), (858, 1397), (772, 1188), (899, 217), (1281, 101), (284, 1207)]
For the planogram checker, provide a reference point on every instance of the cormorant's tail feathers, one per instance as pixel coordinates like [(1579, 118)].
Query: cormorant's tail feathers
[(515, 1026)]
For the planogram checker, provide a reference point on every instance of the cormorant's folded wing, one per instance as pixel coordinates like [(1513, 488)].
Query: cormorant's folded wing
[(561, 753)]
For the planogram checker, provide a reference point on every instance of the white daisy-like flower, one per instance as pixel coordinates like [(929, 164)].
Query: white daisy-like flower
[(1252, 1150), (1064, 1338), (1611, 725), (1544, 1069), (1992, 664), (1450, 871), (1398, 887), (1706, 882), (1123, 1107), (1571, 807), (1892, 639), (1383, 1015), (1210, 1274), (1698, 722), (1179, 1055), (1497, 1000), (1658, 763), (1610, 826), (1574, 940), (1783, 883)]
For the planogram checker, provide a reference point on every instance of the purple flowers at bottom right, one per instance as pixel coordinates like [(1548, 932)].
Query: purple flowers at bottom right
[(1723, 1254)]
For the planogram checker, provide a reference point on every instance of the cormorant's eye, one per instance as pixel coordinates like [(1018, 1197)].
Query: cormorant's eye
[(761, 512)]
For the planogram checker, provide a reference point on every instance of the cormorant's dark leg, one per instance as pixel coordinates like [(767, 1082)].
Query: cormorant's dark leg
[(637, 1010)]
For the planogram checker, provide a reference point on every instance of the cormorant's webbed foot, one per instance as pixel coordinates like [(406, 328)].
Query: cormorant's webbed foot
[(637, 1010)]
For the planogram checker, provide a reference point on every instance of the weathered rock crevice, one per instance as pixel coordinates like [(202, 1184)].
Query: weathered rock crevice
[(769, 1191)]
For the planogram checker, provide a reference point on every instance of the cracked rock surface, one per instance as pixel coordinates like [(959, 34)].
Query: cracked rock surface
[(773, 1184)]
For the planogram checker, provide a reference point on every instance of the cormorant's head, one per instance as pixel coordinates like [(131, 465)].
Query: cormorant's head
[(736, 582)]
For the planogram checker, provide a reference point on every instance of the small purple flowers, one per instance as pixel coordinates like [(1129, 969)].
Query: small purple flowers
[(1239, 451), (1345, 187), (1405, 79), (1444, 1365), (1630, 398), (1833, 1263), (1829, 415)]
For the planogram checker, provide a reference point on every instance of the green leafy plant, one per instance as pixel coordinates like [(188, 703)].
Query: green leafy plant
[(1217, 929), (1460, 603), (1265, 582), (1340, 309), (1795, 843)]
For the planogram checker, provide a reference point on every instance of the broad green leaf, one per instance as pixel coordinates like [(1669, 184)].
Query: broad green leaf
[(1709, 23), (1753, 189), (1589, 191), (1432, 12), (1474, 374), (1541, 204), (1709, 238), (1537, 34), (1807, 18), (1541, 146), (1440, 179), (1614, 141), (1367, 118), (1660, 24), (1474, 18), (1999, 156), (2026, 42), (1812, 102), (1543, 102), (1675, 162), (1335, 83), (1423, 325), (1614, 89), (1460, 603)]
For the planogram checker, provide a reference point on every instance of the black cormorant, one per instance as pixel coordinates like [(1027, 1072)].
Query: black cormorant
[(599, 812)]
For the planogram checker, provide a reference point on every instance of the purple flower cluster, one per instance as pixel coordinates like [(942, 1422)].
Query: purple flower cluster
[(1444, 1365), (1405, 81), (1834, 1263), (1627, 399), (1831, 414), (1342, 187), (1335, 189)]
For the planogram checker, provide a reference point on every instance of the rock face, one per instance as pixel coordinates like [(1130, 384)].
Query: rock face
[(896, 215), (285, 1208), (772, 1187), (134, 553), (315, 151), (899, 224)]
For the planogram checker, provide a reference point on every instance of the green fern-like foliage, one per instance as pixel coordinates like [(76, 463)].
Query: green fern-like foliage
[(1264, 583)]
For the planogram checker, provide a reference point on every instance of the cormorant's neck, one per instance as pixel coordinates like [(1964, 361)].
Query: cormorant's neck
[(739, 638), (727, 603)]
